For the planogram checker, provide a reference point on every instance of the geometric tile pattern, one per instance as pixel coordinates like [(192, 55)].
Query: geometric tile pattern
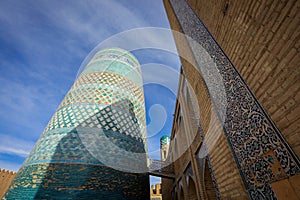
[(111, 88), (95, 140), (260, 151), (39, 182), (112, 61)]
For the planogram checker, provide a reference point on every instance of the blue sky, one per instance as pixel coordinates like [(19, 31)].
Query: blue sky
[(42, 45)]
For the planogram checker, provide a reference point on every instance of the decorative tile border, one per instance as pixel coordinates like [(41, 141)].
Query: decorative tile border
[(256, 143)]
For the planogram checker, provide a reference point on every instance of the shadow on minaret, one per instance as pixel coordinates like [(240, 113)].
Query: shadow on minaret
[(75, 170)]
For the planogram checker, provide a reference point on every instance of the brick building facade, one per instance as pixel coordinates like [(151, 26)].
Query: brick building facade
[(250, 149), (6, 178)]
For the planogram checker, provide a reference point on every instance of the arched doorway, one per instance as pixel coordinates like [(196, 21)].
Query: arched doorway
[(181, 194), (209, 186), (174, 195), (192, 189)]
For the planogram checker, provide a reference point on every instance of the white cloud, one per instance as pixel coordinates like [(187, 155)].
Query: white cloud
[(15, 146), (45, 54), (24, 106), (17, 96), (92, 20)]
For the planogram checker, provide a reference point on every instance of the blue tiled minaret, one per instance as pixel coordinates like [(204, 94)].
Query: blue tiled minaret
[(94, 146)]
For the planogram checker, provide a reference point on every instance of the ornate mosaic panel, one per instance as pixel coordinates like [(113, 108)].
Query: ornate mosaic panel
[(95, 141), (261, 153)]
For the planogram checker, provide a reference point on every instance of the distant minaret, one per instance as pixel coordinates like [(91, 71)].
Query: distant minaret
[(164, 147)]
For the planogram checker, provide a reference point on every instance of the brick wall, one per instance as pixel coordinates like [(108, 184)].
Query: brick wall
[(230, 185), (6, 178), (262, 40), (225, 169)]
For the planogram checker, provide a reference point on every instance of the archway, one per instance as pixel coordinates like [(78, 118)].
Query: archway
[(192, 189), (181, 194), (175, 197), (209, 185)]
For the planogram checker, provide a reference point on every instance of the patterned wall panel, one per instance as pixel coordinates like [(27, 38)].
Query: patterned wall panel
[(261, 153), (95, 141)]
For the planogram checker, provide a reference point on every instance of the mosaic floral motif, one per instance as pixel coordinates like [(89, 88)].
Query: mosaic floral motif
[(250, 131), (262, 170), (263, 192), (94, 141)]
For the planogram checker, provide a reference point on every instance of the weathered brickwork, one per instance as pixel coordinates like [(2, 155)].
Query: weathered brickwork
[(226, 172), (238, 168), (166, 189), (232, 184), (287, 188), (262, 40), (6, 178)]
